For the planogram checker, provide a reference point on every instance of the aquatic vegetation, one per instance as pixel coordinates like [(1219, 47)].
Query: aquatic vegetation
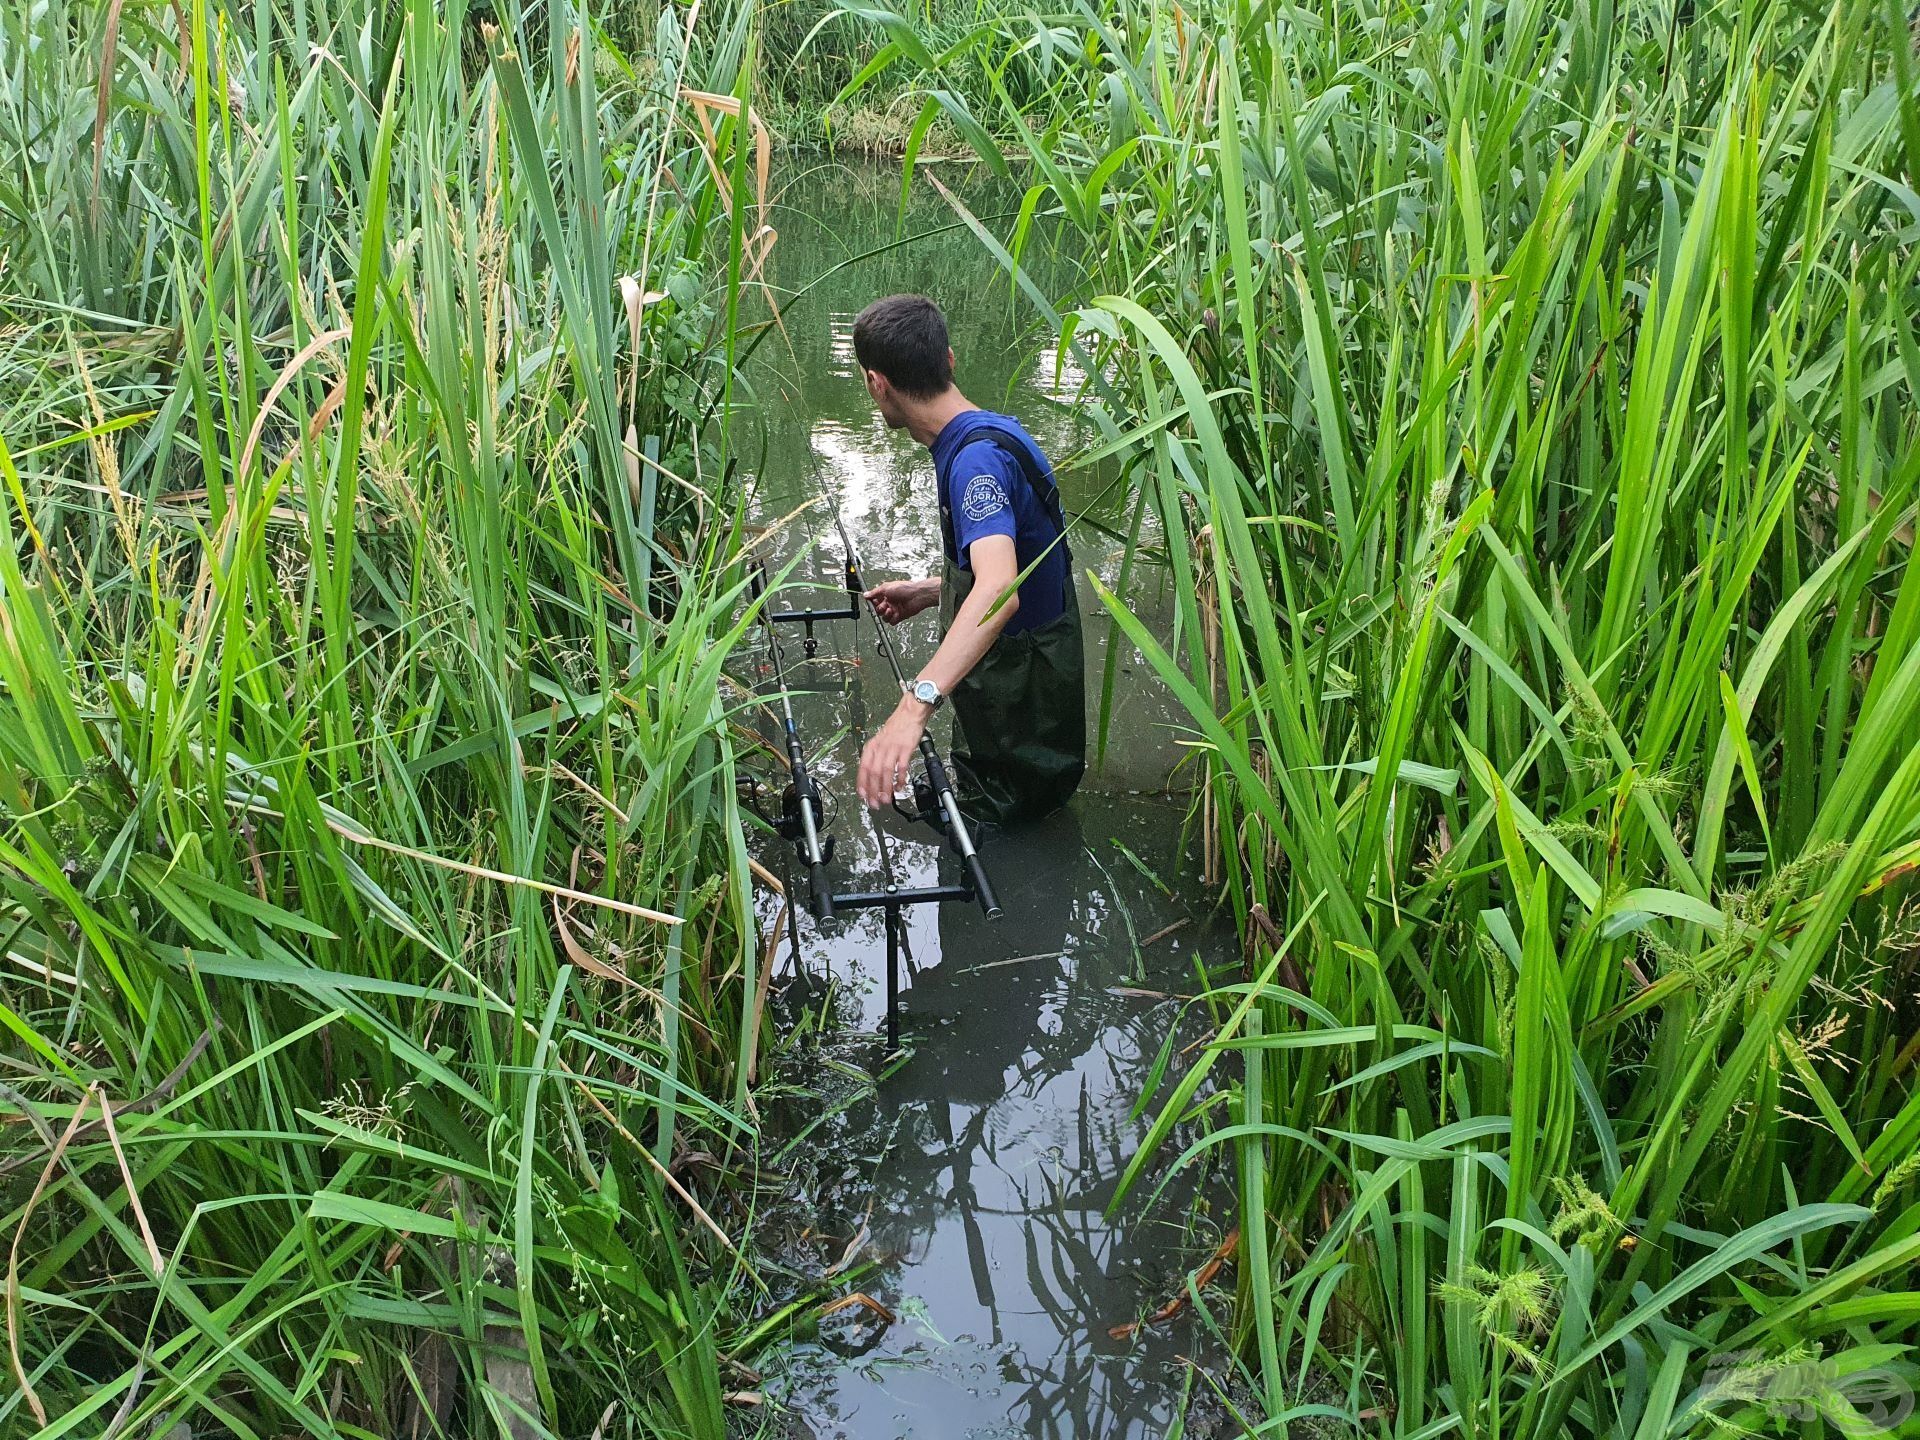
[(373, 899), (1521, 402), (1525, 400), (810, 49)]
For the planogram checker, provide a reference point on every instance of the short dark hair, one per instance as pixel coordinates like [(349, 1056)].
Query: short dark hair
[(904, 337)]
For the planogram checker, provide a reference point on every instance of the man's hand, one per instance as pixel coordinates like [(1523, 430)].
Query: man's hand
[(898, 600), (884, 763)]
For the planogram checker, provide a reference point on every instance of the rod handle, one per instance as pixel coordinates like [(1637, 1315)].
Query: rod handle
[(982, 887), (822, 891)]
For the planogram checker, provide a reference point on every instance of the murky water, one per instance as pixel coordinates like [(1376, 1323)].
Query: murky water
[(966, 1192)]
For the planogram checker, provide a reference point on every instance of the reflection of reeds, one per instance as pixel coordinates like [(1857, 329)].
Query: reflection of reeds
[(1537, 385)]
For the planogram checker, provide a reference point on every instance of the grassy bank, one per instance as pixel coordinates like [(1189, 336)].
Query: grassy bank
[(824, 79), (372, 902), (1527, 398)]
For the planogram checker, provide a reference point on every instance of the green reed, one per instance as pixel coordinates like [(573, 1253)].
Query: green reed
[(373, 899)]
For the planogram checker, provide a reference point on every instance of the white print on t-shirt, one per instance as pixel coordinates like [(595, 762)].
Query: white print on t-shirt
[(983, 496)]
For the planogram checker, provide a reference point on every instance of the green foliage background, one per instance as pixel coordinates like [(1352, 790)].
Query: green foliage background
[(372, 887), (1523, 401)]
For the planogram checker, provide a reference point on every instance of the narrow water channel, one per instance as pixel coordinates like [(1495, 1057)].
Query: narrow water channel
[(965, 1192)]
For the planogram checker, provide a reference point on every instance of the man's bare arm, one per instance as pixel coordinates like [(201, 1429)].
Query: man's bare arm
[(995, 567), (995, 563)]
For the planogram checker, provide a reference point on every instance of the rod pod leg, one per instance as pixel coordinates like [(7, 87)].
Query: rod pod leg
[(893, 975)]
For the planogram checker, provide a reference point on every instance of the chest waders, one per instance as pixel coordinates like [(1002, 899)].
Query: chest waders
[(1020, 715)]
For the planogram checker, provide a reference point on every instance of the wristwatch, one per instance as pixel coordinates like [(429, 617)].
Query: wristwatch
[(927, 693)]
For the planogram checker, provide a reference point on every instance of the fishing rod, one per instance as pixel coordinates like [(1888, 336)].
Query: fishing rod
[(934, 799), (803, 820), (937, 799), (803, 817), (893, 915)]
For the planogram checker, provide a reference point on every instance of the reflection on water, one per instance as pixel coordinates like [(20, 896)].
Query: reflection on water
[(988, 1158), (975, 1177), (1057, 374)]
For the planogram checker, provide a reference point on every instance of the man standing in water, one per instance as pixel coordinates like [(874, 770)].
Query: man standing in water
[(1012, 669)]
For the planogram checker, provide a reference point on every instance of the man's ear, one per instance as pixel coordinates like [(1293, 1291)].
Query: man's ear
[(876, 383), (949, 360)]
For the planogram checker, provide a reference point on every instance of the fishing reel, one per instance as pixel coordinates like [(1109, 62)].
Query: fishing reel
[(925, 808), (791, 824), (788, 823), (926, 811)]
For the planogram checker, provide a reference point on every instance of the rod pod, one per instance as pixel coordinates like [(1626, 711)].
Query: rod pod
[(893, 900), (804, 817), (959, 835), (810, 643)]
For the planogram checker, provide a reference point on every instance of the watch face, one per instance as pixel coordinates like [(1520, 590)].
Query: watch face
[(926, 692)]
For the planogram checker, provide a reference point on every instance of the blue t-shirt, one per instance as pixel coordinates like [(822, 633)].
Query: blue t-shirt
[(985, 491)]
